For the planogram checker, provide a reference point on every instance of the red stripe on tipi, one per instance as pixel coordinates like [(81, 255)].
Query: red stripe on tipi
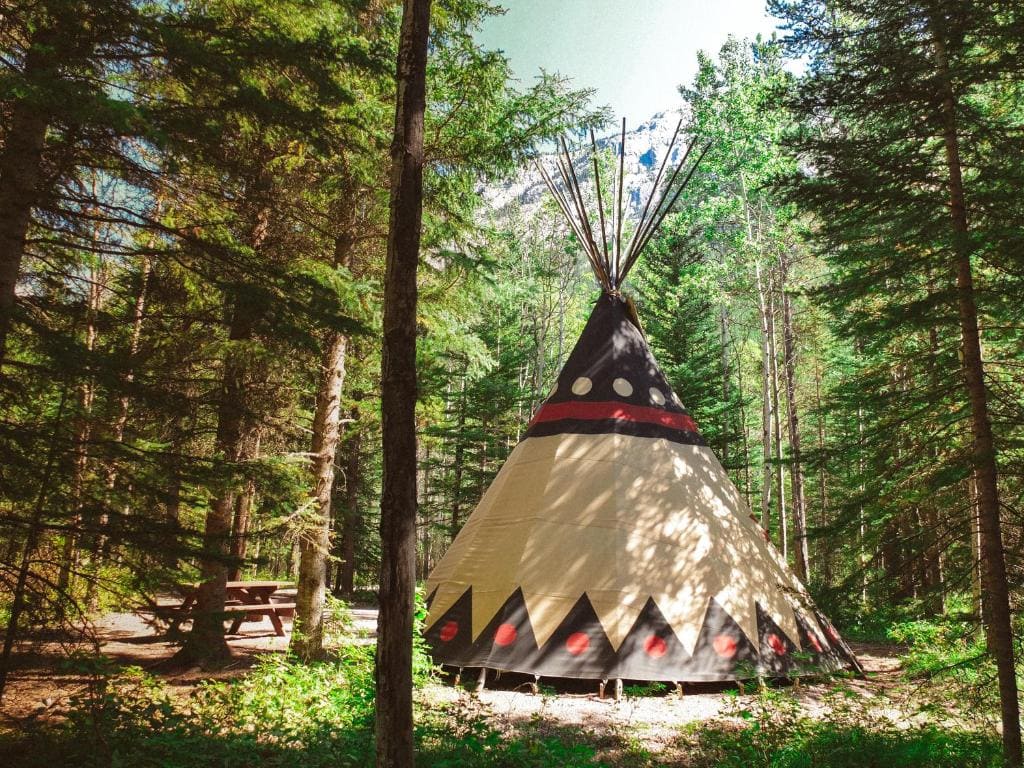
[(621, 411)]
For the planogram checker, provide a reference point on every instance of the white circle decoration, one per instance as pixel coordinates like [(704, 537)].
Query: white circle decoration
[(622, 387), (657, 396), (581, 386)]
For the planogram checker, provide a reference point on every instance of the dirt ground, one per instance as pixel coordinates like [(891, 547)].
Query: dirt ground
[(41, 685)]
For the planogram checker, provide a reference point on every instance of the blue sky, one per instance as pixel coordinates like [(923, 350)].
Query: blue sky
[(634, 52)]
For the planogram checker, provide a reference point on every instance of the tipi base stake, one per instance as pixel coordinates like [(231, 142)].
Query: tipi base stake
[(535, 685), (743, 689), (458, 678), (681, 689), (497, 674), (600, 689), (481, 681), (618, 688), (796, 683)]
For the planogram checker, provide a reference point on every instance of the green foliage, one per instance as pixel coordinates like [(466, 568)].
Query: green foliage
[(774, 734), (649, 689), (338, 622), (282, 713), (949, 655)]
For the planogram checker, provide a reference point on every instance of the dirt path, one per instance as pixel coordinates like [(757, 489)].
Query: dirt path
[(44, 681), (654, 721)]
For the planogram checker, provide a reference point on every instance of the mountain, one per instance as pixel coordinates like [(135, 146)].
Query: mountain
[(645, 148)]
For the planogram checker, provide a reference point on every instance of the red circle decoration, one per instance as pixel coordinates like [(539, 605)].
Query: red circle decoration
[(832, 632), (505, 635), (725, 646), (655, 647), (815, 642), (449, 631), (776, 644), (577, 643)]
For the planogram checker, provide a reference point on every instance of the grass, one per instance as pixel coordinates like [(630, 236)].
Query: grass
[(284, 713), (289, 714)]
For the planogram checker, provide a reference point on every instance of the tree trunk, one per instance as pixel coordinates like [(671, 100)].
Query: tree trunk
[(240, 523), (824, 553), (994, 581), (86, 526), (723, 327), (394, 721), (352, 518), (33, 536), (315, 542), (425, 506), (21, 177), (780, 481), (977, 593), (766, 406), (459, 459), (205, 644), (795, 468), (744, 435)]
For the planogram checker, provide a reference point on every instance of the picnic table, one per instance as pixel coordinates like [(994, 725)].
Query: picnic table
[(250, 600)]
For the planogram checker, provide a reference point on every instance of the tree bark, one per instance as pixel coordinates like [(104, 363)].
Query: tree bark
[(82, 528), (242, 521), (21, 177), (744, 436), (205, 644), (994, 580), (766, 406), (394, 720), (315, 541), (33, 536), (352, 522), (723, 328), (780, 477), (458, 461), (793, 422), (824, 553)]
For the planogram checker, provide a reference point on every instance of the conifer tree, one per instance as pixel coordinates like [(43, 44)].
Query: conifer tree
[(908, 157)]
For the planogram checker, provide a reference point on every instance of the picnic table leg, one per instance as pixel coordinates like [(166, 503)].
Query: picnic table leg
[(236, 624), (182, 613), (264, 598), (276, 621)]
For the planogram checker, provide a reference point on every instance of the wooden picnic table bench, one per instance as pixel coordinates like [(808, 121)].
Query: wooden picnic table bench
[(250, 600)]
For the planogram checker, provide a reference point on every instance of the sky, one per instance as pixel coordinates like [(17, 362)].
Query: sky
[(634, 52)]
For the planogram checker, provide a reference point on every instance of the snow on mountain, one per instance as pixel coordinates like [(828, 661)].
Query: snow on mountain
[(645, 148)]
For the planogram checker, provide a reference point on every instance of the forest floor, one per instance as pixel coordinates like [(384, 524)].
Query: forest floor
[(44, 682)]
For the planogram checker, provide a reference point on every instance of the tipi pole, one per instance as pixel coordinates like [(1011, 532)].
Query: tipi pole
[(654, 190), (579, 195), (648, 226), (672, 202), (564, 205), (600, 200), (618, 228), (587, 241)]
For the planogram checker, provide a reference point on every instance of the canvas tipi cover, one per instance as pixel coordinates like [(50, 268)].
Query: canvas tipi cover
[(612, 544)]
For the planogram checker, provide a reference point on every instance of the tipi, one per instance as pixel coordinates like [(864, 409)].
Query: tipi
[(612, 544)]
